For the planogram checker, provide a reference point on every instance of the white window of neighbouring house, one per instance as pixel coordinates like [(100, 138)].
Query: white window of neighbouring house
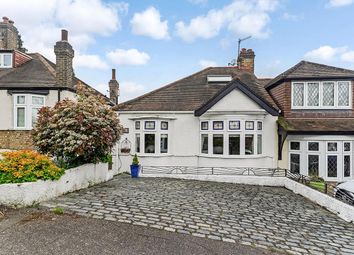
[(152, 137), (321, 95), (5, 60), (26, 108), (231, 138)]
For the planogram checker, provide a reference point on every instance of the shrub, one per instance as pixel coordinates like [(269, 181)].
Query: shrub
[(27, 166), (77, 132), (135, 160)]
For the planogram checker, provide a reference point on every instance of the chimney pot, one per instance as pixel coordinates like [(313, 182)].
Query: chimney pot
[(245, 60), (113, 74), (64, 35)]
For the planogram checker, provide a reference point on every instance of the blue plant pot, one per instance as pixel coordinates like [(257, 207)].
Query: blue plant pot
[(134, 171)]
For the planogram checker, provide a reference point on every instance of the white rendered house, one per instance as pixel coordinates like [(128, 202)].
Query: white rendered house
[(227, 117)]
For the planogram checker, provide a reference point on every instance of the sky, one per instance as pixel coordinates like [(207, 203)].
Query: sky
[(152, 43)]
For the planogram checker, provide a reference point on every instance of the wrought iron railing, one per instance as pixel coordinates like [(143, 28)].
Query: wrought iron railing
[(275, 172)]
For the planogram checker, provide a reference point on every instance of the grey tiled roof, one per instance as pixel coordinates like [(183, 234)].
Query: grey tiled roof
[(191, 92), (310, 70)]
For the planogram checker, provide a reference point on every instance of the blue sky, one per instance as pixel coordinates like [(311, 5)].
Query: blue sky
[(152, 43)]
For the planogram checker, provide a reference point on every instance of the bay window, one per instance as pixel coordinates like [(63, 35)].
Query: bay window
[(321, 95), (26, 108), (151, 136), (234, 137)]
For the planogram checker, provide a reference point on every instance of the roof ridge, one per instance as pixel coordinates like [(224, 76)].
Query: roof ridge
[(163, 87), (46, 64), (328, 66)]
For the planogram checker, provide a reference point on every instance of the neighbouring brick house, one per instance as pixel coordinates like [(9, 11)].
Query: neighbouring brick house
[(29, 81), (301, 120)]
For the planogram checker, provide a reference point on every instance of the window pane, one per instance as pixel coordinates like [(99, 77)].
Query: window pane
[(218, 125), (205, 144), (298, 97), (313, 165), (328, 94), (164, 143), (34, 116), (37, 100), (7, 60), (332, 166), (313, 94), (295, 163), (137, 125), (249, 125), (204, 125), (343, 93), (346, 166), (164, 125), (259, 144), (137, 143), (313, 146), (20, 117), (347, 146), (150, 125), (234, 125), (234, 145), (149, 143), (218, 144), (259, 125), (21, 99), (295, 146), (332, 146), (249, 145)]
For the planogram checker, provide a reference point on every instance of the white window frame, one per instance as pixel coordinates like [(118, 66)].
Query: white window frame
[(320, 106), (158, 132), (28, 109), (2, 57), (226, 132)]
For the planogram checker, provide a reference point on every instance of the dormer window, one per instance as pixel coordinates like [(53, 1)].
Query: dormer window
[(321, 95), (5, 60)]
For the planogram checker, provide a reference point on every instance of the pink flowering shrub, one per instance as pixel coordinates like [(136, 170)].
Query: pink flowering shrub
[(77, 132)]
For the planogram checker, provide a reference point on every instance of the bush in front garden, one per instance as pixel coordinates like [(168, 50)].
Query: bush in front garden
[(77, 132), (27, 166)]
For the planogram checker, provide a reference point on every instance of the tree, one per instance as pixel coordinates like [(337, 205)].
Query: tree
[(77, 132)]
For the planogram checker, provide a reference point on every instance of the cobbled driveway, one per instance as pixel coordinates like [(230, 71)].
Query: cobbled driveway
[(266, 217)]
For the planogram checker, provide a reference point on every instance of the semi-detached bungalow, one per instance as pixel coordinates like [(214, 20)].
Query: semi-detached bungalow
[(301, 120)]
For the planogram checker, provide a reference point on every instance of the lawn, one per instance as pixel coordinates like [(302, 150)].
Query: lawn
[(320, 186)]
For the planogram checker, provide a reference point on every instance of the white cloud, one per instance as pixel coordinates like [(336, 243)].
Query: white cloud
[(130, 90), (40, 22), (325, 53), (348, 56), (128, 57), (207, 63), (339, 3), (90, 61), (242, 17), (149, 23), (292, 17)]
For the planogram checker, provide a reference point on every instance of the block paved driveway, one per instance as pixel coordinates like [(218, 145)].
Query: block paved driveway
[(266, 217)]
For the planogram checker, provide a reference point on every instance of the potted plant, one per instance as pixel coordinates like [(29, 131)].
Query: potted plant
[(134, 167)]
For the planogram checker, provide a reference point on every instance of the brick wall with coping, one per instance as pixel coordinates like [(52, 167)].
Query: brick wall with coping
[(15, 139)]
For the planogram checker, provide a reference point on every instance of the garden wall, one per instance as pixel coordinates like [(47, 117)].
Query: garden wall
[(343, 210), (29, 193)]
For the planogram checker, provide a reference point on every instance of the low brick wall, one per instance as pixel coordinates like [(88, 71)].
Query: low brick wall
[(15, 139)]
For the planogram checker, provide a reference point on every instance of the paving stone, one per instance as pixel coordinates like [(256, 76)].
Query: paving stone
[(266, 217)]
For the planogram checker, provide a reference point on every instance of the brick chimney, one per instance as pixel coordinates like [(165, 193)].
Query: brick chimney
[(9, 36), (114, 88), (64, 61), (245, 60)]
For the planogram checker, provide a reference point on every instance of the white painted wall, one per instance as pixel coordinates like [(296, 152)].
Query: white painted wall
[(184, 136), (29, 193), (7, 106)]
